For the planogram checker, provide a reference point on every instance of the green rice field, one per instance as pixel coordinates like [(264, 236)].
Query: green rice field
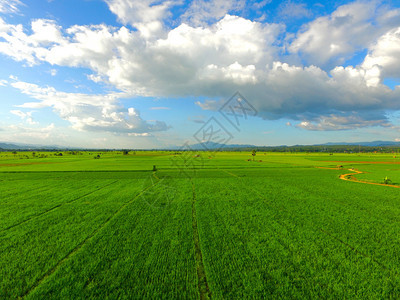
[(199, 225)]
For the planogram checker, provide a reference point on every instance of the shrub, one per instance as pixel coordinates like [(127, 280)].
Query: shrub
[(386, 180)]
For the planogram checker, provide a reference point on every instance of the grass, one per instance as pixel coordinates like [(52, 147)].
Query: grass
[(76, 227)]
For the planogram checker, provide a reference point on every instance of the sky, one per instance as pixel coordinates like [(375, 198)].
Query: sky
[(155, 74)]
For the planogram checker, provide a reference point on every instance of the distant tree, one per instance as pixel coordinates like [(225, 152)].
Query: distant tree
[(125, 152), (253, 154)]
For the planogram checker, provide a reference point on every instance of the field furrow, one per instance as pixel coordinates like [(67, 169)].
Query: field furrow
[(204, 290), (32, 217)]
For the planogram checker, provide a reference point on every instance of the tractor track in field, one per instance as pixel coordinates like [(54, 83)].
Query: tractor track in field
[(350, 177), (203, 287), (81, 244), (30, 190), (55, 207), (354, 249)]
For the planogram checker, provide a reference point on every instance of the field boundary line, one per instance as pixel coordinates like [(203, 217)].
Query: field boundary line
[(55, 207), (81, 244), (203, 287)]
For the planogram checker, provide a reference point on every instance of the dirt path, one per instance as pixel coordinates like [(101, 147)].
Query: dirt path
[(350, 177), (203, 287)]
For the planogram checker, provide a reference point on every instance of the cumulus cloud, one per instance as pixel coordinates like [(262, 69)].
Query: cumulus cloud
[(352, 27), (385, 54), (145, 15), (88, 112), (311, 95), (233, 46)]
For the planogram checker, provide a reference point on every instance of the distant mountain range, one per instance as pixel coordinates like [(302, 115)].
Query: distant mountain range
[(215, 146), (205, 146), (18, 146)]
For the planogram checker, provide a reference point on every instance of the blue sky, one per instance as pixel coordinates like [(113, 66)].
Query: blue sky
[(150, 74)]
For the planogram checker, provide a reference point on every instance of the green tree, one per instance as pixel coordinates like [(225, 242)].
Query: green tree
[(386, 180)]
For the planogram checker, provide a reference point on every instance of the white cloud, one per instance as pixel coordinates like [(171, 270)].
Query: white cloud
[(145, 134), (34, 135), (313, 96), (10, 6), (352, 27), (370, 77), (343, 122), (46, 32), (145, 15), (88, 112), (385, 54), (15, 43), (233, 46), (3, 82), (24, 116), (210, 104), (234, 72)]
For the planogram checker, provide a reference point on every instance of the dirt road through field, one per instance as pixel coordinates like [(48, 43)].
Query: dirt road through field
[(350, 177)]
